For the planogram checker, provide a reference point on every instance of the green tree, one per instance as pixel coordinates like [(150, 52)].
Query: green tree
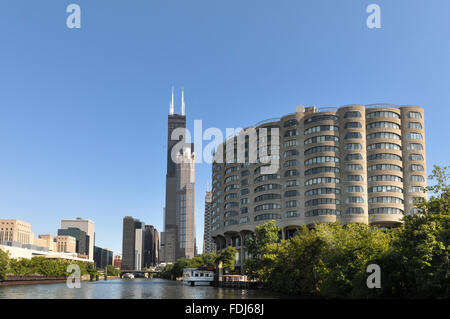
[(4, 264), (227, 257), (418, 265), (262, 248)]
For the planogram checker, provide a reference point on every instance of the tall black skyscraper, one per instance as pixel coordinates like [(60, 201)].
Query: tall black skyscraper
[(180, 181), (132, 243)]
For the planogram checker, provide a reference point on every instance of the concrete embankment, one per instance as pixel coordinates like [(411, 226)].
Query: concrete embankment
[(36, 280)]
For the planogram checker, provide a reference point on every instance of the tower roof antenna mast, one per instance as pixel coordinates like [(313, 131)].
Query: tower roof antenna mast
[(183, 105), (171, 104)]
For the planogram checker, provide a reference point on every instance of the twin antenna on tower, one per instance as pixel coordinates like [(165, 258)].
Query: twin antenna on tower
[(183, 105)]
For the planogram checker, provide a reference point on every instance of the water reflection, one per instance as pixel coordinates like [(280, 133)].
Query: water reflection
[(129, 289)]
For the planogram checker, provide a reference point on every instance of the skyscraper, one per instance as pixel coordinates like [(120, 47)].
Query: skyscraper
[(132, 243), (151, 246), (208, 244), (179, 224)]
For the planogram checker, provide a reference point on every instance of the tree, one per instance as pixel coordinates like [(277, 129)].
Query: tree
[(262, 248), (418, 266), (227, 257), (4, 264)]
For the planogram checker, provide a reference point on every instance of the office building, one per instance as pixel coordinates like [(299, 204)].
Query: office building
[(66, 244), (151, 247), (363, 164), (208, 244), (82, 239), (132, 243), (85, 225), (102, 257), (179, 215)]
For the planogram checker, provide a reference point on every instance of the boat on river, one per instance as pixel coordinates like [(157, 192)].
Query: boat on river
[(197, 277), (128, 276)]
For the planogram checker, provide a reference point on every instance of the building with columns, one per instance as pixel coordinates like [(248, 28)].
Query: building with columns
[(356, 163)]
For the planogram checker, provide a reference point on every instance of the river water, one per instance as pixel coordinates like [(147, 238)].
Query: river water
[(138, 288)]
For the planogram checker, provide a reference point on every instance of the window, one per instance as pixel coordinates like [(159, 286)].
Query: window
[(244, 201), (389, 178), (354, 210), (322, 191), (353, 125), (291, 133), (230, 196), (292, 172), (323, 148), (267, 197), (416, 168), (354, 178), (416, 189), (354, 199), (386, 199), (230, 187), (231, 213), (383, 125), (290, 214), (291, 153), (244, 182), (414, 115), (322, 138), (353, 157), (244, 220), (353, 146), (416, 125), (385, 210), (267, 216), (415, 136), (387, 146), (290, 123), (322, 201), (383, 114), (379, 156), (322, 159), (230, 222), (269, 206), (318, 212), (291, 183), (353, 167), (231, 178), (266, 177), (387, 135), (291, 163), (417, 178), (352, 114), (415, 146), (385, 188), (231, 169), (354, 189), (415, 157), (291, 203), (322, 169), (319, 118), (322, 180), (384, 167), (266, 187), (230, 205), (290, 143), (291, 193), (244, 210), (321, 128), (350, 135), (245, 173), (245, 191)]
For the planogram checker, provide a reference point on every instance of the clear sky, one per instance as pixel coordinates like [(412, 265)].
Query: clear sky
[(83, 113)]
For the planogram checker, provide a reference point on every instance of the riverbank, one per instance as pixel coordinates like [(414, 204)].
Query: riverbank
[(36, 280)]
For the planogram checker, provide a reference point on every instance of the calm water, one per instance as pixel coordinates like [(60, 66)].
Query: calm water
[(138, 288)]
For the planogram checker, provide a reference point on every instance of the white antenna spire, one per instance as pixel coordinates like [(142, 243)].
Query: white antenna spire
[(171, 104), (183, 105)]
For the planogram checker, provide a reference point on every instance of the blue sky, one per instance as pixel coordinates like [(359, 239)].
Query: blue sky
[(83, 113)]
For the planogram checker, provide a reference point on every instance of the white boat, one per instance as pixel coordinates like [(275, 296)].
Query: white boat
[(197, 277), (128, 276)]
